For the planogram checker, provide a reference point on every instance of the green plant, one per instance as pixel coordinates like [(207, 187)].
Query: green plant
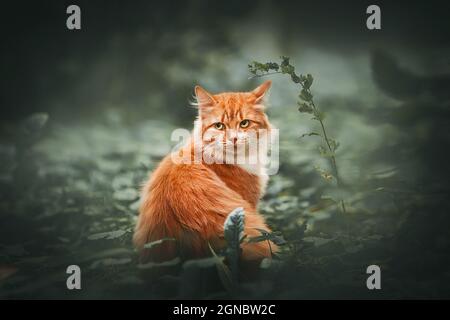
[(275, 237), (234, 235), (306, 105)]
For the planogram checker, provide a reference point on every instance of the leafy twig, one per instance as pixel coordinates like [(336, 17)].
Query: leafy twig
[(234, 234), (306, 103)]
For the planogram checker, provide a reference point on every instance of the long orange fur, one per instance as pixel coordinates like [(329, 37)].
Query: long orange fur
[(190, 202)]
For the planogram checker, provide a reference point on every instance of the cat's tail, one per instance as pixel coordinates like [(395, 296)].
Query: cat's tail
[(254, 222), (153, 241), (159, 243)]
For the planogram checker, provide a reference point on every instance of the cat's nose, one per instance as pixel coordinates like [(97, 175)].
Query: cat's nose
[(234, 140)]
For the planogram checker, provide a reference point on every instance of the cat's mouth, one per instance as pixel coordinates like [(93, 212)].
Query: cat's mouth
[(242, 151), (238, 147)]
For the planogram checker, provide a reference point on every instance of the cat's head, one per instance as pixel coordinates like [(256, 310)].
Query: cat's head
[(229, 123)]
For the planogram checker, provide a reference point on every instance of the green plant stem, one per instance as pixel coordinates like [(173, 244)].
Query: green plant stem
[(325, 136), (263, 75), (270, 248), (333, 159)]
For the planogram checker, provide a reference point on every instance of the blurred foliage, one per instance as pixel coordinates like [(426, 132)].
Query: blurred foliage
[(87, 116)]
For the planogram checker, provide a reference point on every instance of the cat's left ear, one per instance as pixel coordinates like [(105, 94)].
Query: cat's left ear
[(261, 91), (204, 98)]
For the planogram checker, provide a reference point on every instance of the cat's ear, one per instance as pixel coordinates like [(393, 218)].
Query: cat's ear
[(261, 91), (204, 98)]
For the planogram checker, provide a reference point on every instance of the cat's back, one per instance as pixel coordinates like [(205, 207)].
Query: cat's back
[(170, 199), (173, 183)]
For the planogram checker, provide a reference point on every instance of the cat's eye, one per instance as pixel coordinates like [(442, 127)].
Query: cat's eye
[(219, 126), (244, 123)]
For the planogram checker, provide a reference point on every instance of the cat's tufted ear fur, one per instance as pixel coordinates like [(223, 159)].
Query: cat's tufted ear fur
[(204, 98), (261, 91)]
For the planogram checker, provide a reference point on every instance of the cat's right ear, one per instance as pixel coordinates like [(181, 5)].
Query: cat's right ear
[(204, 98)]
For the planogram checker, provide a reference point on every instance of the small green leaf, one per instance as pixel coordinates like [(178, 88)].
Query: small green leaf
[(319, 115), (234, 232), (267, 236), (234, 226), (223, 271), (333, 144), (107, 235), (295, 78), (157, 242), (324, 152), (202, 263), (305, 95), (308, 81), (324, 174), (327, 154), (304, 107), (168, 263), (328, 197), (284, 61), (309, 134), (287, 69), (107, 262), (273, 66)]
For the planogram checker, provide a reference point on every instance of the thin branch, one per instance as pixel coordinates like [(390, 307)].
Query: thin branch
[(263, 75), (325, 137), (270, 248)]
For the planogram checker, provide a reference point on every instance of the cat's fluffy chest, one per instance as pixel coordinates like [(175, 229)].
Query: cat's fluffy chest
[(248, 182), (260, 172)]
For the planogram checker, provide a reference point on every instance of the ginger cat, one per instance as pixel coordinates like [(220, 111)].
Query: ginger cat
[(190, 201)]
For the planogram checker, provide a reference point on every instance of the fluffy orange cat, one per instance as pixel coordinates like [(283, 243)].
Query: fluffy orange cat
[(190, 201)]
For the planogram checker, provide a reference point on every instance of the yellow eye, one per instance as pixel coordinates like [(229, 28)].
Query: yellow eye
[(219, 125), (245, 123)]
